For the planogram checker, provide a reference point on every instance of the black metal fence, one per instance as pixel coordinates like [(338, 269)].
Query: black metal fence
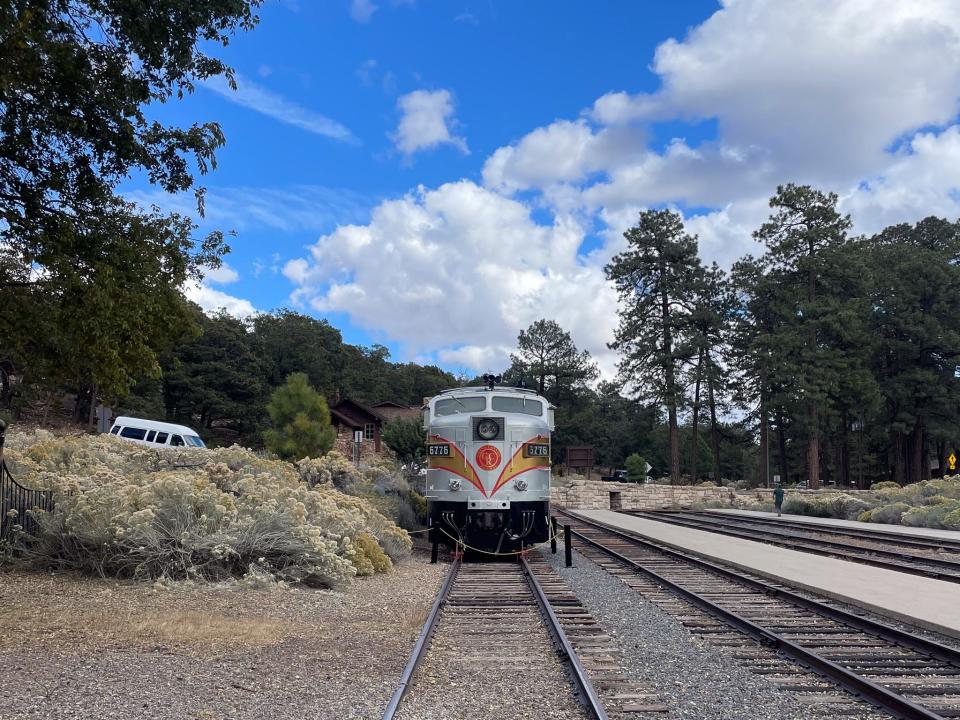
[(16, 497)]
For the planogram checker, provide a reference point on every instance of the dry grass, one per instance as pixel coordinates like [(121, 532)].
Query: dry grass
[(187, 630), (413, 619)]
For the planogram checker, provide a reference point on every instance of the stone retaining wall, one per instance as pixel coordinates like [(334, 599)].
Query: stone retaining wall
[(598, 495)]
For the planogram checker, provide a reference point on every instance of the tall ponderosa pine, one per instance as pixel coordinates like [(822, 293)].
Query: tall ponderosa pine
[(546, 352), (655, 277), (805, 239), (759, 313), (300, 419), (916, 304), (708, 337)]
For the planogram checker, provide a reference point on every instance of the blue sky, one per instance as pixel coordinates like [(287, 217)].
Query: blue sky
[(553, 122)]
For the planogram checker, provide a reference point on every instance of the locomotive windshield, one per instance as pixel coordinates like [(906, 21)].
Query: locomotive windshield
[(452, 406), (524, 405)]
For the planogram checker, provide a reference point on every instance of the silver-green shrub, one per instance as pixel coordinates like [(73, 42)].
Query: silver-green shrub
[(122, 509)]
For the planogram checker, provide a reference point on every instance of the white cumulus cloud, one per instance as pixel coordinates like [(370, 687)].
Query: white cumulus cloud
[(212, 300), (459, 270), (823, 86), (222, 275), (860, 97), (426, 118)]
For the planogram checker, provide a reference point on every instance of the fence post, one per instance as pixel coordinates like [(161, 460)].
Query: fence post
[(553, 534), (567, 551)]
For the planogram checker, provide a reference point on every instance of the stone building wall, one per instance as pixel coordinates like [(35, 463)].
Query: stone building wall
[(368, 449), (597, 495)]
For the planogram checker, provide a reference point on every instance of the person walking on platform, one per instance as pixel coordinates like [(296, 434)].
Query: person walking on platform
[(778, 497)]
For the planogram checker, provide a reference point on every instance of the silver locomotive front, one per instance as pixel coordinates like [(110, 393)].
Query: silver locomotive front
[(488, 475)]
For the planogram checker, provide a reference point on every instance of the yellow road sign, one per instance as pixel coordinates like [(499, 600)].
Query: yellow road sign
[(952, 461)]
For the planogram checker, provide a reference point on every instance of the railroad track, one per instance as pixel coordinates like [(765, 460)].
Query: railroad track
[(803, 645), (917, 556), (510, 640)]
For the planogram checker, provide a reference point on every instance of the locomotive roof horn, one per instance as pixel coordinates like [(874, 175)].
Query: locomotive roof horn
[(491, 380)]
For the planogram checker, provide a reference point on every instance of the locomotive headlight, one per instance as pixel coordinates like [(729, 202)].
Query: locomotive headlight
[(488, 429), (454, 484), (520, 484)]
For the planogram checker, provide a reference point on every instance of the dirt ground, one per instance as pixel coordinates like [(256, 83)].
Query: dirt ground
[(78, 647)]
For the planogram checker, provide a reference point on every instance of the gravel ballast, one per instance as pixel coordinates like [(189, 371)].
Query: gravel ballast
[(696, 680), (74, 647)]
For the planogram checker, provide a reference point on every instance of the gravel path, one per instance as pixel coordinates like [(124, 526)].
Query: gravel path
[(74, 647), (695, 679)]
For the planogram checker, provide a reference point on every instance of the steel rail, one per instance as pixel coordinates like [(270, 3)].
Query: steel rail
[(917, 541), (423, 641), (815, 546), (585, 690), (858, 685), (886, 632)]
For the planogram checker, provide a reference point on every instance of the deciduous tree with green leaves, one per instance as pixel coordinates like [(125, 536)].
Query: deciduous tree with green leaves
[(655, 277), (76, 77), (300, 419)]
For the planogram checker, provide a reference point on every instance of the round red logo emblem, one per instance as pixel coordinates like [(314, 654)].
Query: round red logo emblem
[(488, 457)]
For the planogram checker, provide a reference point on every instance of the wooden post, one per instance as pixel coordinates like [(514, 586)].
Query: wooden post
[(567, 550)]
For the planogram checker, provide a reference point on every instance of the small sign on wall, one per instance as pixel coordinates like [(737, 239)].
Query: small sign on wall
[(358, 436)]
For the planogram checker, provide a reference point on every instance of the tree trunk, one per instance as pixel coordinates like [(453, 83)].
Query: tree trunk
[(916, 452), (695, 434), (896, 452), (762, 477), (813, 412), (843, 455), (674, 446), (714, 430), (670, 382), (782, 461), (942, 457), (77, 403), (91, 416), (46, 407), (813, 446)]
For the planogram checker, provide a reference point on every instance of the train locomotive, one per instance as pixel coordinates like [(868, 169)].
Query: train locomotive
[(488, 471)]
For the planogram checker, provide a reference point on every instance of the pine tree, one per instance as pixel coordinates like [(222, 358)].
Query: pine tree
[(806, 245), (916, 304), (407, 439), (548, 354), (654, 278), (301, 421), (709, 329), (760, 382)]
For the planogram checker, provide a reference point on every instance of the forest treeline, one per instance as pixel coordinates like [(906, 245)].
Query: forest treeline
[(839, 352), (828, 356)]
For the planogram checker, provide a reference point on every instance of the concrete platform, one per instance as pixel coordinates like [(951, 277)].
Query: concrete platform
[(933, 604), (851, 524)]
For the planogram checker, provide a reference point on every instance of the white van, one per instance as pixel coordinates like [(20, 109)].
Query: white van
[(154, 434)]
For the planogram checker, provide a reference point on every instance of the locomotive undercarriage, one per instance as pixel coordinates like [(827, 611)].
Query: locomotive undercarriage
[(496, 531)]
